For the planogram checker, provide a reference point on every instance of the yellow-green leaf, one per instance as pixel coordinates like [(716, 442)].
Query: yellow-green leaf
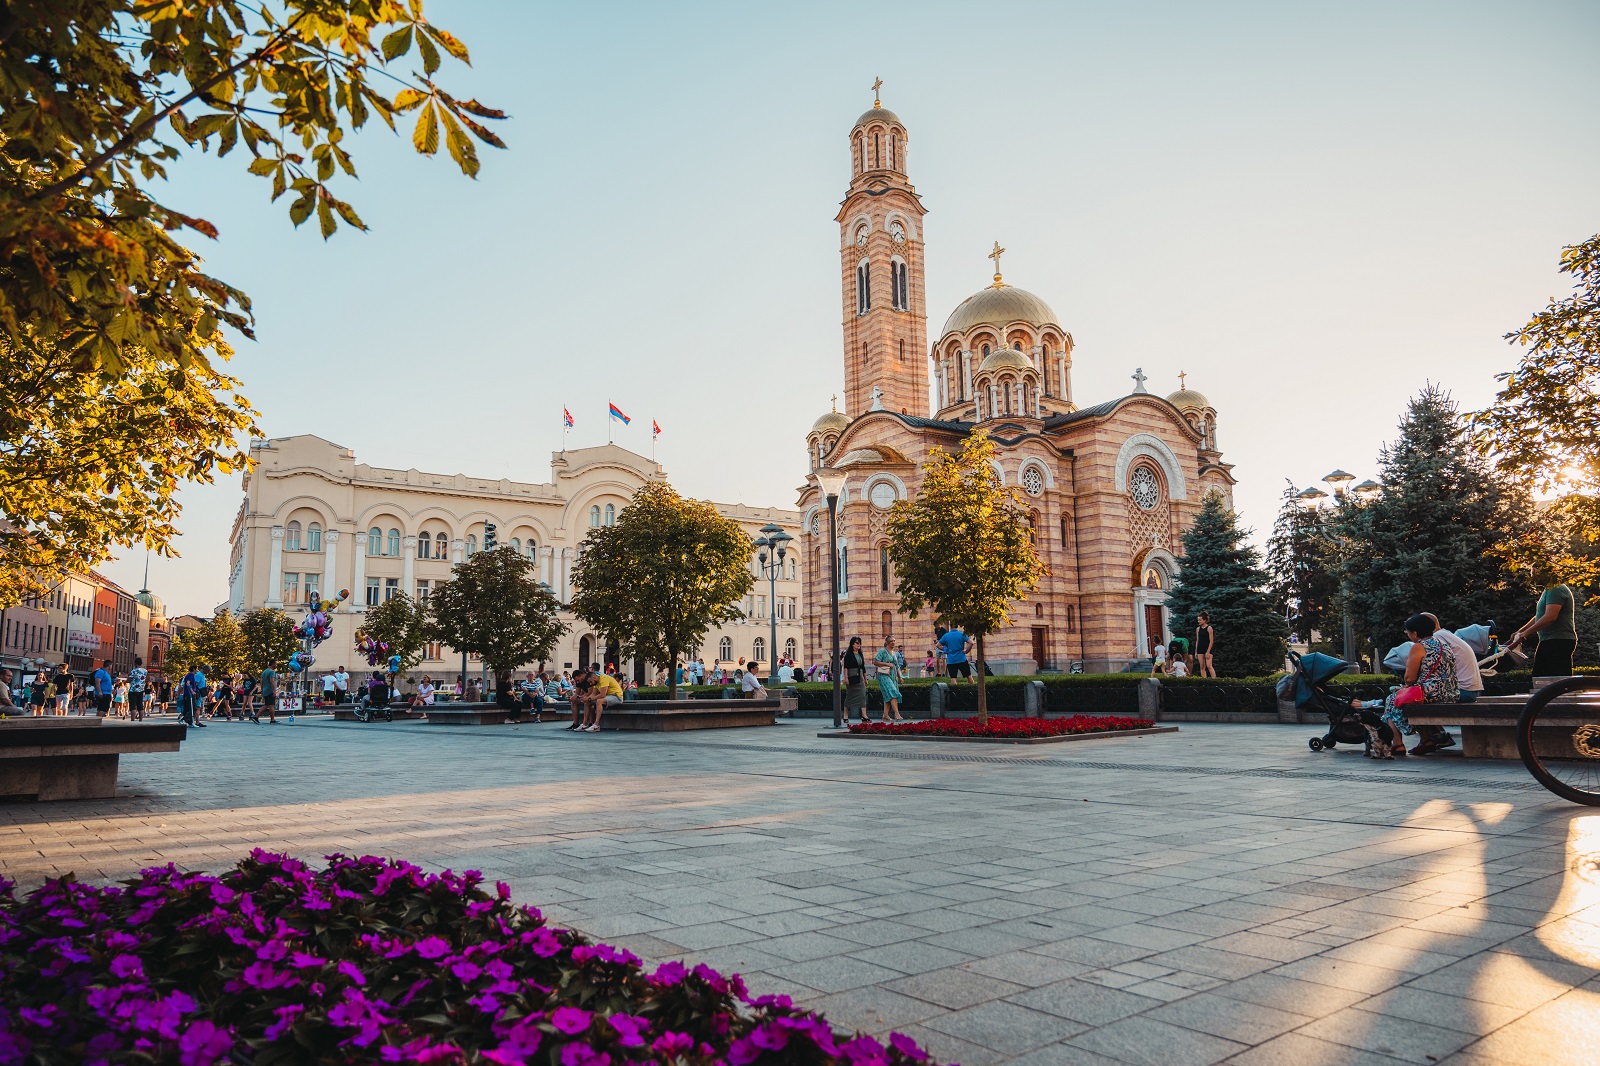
[(325, 216), (461, 149), (448, 42), (430, 55), (426, 136), (397, 43), (406, 99)]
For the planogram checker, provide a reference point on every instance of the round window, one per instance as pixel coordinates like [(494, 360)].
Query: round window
[(1145, 489), (1032, 481), (883, 495)]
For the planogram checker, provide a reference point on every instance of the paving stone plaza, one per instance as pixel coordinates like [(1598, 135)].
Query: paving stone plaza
[(1215, 895)]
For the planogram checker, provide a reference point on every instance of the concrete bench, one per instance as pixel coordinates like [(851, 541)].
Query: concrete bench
[(57, 758), (673, 716), (400, 711), (1488, 724)]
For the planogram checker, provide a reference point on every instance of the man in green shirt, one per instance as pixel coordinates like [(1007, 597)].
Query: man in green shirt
[(1555, 619)]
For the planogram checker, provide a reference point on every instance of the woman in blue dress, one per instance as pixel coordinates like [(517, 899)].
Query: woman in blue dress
[(888, 664)]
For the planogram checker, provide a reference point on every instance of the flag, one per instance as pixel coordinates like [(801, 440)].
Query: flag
[(616, 412), (566, 418), (655, 428)]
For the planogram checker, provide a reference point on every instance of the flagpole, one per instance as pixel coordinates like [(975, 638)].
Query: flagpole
[(610, 429)]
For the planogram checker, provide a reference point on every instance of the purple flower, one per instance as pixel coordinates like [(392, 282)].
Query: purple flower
[(583, 1055), (352, 971), (542, 942), (40, 1018), (203, 1043), (672, 1045), (518, 1045), (302, 960), (907, 1047), (864, 1051), (604, 953), (286, 1019), (433, 947), (486, 1003), (770, 1037), (630, 1030), (466, 971), (570, 1020), (670, 973)]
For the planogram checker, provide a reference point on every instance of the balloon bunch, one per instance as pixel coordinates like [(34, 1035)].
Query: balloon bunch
[(318, 625), (374, 650), (301, 661)]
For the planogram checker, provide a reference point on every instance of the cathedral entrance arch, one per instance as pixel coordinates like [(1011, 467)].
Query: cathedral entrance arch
[(585, 652)]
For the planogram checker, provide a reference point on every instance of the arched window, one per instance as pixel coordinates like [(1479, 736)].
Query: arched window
[(725, 649), (877, 150), (516, 545), (314, 537), (611, 514), (531, 549), (758, 649), (594, 517), (394, 542), (441, 545), (1063, 531), (863, 290), (894, 149), (472, 545), (844, 569), (883, 568), (291, 537), (791, 650), (899, 290), (374, 541), (424, 547)]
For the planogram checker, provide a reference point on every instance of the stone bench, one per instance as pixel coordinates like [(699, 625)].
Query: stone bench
[(673, 716), (401, 712), (57, 758), (1488, 724)]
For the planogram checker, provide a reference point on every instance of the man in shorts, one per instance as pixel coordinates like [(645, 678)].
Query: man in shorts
[(269, 695), (578, 697), (138, 677), (604, 691), (955, 645), (104, 686)]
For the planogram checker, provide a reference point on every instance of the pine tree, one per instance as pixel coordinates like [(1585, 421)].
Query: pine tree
[(1222, 576), (1436, 537), (1304, 569)]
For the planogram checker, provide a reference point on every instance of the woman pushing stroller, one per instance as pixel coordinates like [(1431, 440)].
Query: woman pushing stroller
[(1430, 677)]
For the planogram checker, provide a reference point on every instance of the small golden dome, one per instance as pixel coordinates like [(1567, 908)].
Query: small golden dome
[(1005, 358), (999, 306), (880, 114), (832, 422), (1189, 400)]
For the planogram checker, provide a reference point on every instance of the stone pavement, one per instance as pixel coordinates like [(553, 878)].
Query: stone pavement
[(1215, 895)]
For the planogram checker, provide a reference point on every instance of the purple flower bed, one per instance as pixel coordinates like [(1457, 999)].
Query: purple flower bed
[(364, 961)]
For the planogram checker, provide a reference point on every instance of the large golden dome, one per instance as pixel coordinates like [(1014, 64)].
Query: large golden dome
[(999, 306), (832, 422)]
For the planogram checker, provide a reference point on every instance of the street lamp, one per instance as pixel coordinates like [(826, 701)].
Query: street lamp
[(1311, 499), (831, 482), (775, 540)]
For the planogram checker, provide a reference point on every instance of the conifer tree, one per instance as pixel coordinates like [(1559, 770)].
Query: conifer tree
[(1222, 576), (1436, 537), (1304, 568)]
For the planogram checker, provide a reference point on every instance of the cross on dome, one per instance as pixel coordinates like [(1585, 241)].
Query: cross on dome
[(995, 255), (877, 83), (1183, 380)]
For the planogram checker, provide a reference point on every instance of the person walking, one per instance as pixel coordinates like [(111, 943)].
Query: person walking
[(1158, 660), (39, 691), (165, 702), (955, 645), (104, 688), (1555, 619), (1205, 639), (119, 698), (269, 695), (855, 678), (890, 671), (138, 678)]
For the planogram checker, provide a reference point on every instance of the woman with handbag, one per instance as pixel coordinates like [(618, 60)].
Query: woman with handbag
[(889, 674), (855, 679), (1430, 677)]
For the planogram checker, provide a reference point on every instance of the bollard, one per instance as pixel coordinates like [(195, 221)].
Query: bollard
[(1034, 698), (1150, 699), (938, 698)]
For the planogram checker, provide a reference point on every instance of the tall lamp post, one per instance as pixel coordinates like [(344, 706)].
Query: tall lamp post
[(831, 482), (775, 540), (1312, 499)]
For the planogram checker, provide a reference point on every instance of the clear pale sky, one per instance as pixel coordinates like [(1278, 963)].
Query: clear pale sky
[(1311, 209)]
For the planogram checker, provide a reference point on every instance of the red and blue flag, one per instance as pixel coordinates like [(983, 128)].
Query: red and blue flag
[(616, 412), (566, 418)]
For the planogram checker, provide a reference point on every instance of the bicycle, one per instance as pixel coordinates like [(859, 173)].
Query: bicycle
[(1560, 741)]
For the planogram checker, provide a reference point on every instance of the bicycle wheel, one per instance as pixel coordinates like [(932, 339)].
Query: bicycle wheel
[(1560, 742)]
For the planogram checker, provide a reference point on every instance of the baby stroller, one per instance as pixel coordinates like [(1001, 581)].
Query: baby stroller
[(1346, 724)]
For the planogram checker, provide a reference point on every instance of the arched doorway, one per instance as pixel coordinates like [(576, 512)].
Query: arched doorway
[(613, 653), (585, 648)]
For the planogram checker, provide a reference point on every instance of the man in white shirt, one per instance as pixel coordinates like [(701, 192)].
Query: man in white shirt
[(341, 685), (750, 686), (1468, 677), (329, 689)]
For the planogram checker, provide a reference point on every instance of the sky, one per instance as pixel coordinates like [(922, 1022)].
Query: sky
[(1313, 210)]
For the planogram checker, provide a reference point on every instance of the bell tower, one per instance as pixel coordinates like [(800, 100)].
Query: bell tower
[(880, 250)]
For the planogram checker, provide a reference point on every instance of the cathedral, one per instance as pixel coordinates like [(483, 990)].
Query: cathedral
[(1111, 486)]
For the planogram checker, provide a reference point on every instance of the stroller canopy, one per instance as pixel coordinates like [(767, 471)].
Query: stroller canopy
[(1315, 669)]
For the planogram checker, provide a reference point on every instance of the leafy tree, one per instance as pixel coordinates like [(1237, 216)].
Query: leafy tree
[(218, 644), (103, 307), (494, 607), (963, 548), (269, 638), (402, 623), (1544, 426), (1436, 537), (1222, 576), (1304, 568), (667, 572)]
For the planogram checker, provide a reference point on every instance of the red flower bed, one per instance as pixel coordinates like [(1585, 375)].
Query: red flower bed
[(1004, 728)]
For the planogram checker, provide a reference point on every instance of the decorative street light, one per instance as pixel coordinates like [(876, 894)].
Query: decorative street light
[(1312, 499), (831, 482), (775, 540)]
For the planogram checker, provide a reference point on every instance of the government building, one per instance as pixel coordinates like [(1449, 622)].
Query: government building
[(1111, 486), (315, 521)]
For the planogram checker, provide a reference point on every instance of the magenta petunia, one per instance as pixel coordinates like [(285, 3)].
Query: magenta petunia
[(907, 1047), (203, 1044), (670, 973), (630, 1030), (570, 1020), (433, 947), (583, 1055)]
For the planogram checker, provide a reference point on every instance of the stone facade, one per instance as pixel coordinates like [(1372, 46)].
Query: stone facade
[(1111, 487), (313, 517)]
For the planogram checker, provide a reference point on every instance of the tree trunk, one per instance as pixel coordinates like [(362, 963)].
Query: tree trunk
[(672, 673), (983, 690)]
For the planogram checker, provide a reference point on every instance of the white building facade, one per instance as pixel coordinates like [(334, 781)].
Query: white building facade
[(314, 521)]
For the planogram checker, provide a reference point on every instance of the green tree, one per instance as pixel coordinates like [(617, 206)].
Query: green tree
[(1544, 427), (667, 572), (108, 316), (402, 623), (218, 644), (1222, 576), (1436, 537), (964, 548), (1303, 565), (269, 638), (495, 607)]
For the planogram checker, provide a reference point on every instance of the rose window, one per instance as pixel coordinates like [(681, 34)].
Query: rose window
[(1145, 489), (816, 524), (1032, 481)]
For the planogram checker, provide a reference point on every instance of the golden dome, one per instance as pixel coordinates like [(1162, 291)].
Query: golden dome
[(832, 422), (880, 114), (1006, 358), (1189, 400), (999, 306)]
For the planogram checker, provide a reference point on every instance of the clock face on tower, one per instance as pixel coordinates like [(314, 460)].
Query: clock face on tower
[(861, 237), (897, 233)]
